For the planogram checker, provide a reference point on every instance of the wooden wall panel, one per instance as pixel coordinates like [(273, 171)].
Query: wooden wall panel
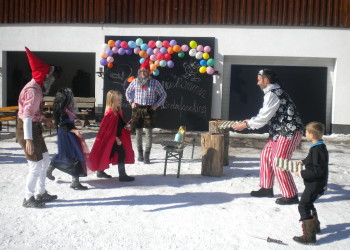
[(320, 13)]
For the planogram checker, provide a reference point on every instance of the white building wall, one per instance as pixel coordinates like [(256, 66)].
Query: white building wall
[(249, 44)]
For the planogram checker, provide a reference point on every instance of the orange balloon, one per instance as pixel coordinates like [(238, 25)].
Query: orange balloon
[(103, 55), (143, 54), (157, 63), (170, 50), (153, 67), (111, 43), (177, 48), (110, 65)]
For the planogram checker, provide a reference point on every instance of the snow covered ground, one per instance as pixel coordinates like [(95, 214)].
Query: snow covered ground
[(164, 212)]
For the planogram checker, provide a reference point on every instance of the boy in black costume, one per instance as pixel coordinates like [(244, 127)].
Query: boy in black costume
[(315, 178)]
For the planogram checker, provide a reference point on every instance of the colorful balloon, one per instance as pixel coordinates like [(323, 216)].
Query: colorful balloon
[(142, 60), (200, 48), (211, 62), (159, 44), (210, 70), (109, 52), (143, 54), (103, 62), (153, 67), (124, 44), (173, 43), (151, 44), (149, 51), (162, 63), (167, 56), (170, 64), (117, 43), (206, 56), (170, 50), (203, 62), (181, 54), (184, 47), (166, 44), (153, 58), (110, 65), (193, 44), (156, 72), (115, 50), (144, 46), (137, 50), (163, 50), (207, 49), (121, 51), (111, 43), (192, 52), (128, 51), (202, 69), (177, 48), (139, 41), (110, 59), (131, 44), (160, 56)]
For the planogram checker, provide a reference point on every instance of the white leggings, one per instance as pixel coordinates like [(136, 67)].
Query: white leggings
[(36, 176)]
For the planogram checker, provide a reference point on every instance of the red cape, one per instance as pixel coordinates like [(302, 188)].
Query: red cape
[(101, 150)]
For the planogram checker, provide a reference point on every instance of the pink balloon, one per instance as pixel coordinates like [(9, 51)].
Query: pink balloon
[(207, 49), (200, 48), (210, 70), (115, 50), (156, 51), (137, 50), (184, 47), (151, 44)]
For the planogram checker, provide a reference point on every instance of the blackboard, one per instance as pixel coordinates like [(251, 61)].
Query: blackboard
[(189, 92)]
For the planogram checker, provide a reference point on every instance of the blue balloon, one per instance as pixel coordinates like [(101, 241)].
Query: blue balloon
[(144, 46), (142, 60), (131, 44), (203, 62), (156, 72)]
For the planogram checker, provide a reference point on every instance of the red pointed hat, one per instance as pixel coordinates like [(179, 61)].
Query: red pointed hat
[(145, 64), (39, 68)]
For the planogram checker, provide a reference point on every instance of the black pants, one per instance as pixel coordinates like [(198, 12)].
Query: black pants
[(306, 203), (119, 149)]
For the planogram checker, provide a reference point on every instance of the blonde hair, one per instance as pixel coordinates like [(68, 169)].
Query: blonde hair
[(111, 100), (316, 128)]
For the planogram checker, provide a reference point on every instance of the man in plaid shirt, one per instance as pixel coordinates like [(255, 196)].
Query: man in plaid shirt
[(145, 95)]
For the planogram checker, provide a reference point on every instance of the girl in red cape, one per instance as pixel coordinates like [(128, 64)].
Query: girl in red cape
[(113, 142)]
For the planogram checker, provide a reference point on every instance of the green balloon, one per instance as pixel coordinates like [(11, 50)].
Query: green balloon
[(211, 62), (181, 54)]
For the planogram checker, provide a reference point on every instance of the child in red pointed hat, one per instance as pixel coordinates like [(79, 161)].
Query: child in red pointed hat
[(145, 95), (29, 131)]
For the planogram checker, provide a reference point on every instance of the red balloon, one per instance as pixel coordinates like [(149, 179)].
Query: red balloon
[(151, 44), (160, 56), (124, 45), (166, 44), (167, 56)]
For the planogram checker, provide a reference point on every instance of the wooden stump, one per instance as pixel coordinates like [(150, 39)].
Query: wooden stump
[(214, 129), (212, 154)]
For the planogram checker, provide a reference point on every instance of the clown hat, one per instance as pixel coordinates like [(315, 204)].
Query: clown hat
[(39, 68), (145, 64)]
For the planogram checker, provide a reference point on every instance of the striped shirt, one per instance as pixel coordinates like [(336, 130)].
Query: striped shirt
[(152, 94)]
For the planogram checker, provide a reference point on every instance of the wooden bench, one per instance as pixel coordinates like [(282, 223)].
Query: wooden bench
[(85, 105), (175, 150)]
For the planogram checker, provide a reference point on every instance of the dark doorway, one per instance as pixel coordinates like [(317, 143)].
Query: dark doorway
[(307, 86), (78, 73)]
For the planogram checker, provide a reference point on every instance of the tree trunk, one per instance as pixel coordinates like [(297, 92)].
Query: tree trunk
[(212, 154), (214, 129)]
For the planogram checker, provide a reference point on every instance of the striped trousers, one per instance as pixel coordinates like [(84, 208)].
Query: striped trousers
[(281, 148)]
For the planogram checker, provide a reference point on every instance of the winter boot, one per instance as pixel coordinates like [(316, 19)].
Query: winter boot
[(317, 222), (76, 184), (262, 192), (102, 174), (146, 158), (122, 174), (288, 201), (140, 158), (309, 235), (45, 197), (31, 202), (49, 173)]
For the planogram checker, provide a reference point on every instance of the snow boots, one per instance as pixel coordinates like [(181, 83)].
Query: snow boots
[(147, 154), (262, 192), (317, 222), (49, 173), (288, 201), (31, 202), (45, 197), (76, 184), (102, 174), (140, 157), (122, 174), (309, 234)]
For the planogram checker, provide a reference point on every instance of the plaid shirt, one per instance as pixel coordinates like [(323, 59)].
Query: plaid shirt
[(152, 94)]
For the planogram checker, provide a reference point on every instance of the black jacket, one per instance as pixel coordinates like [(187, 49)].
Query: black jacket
[(316, 173)]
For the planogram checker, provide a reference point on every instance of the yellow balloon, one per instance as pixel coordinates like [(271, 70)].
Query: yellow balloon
[(202, 69), (206, 56), (193, 44)]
